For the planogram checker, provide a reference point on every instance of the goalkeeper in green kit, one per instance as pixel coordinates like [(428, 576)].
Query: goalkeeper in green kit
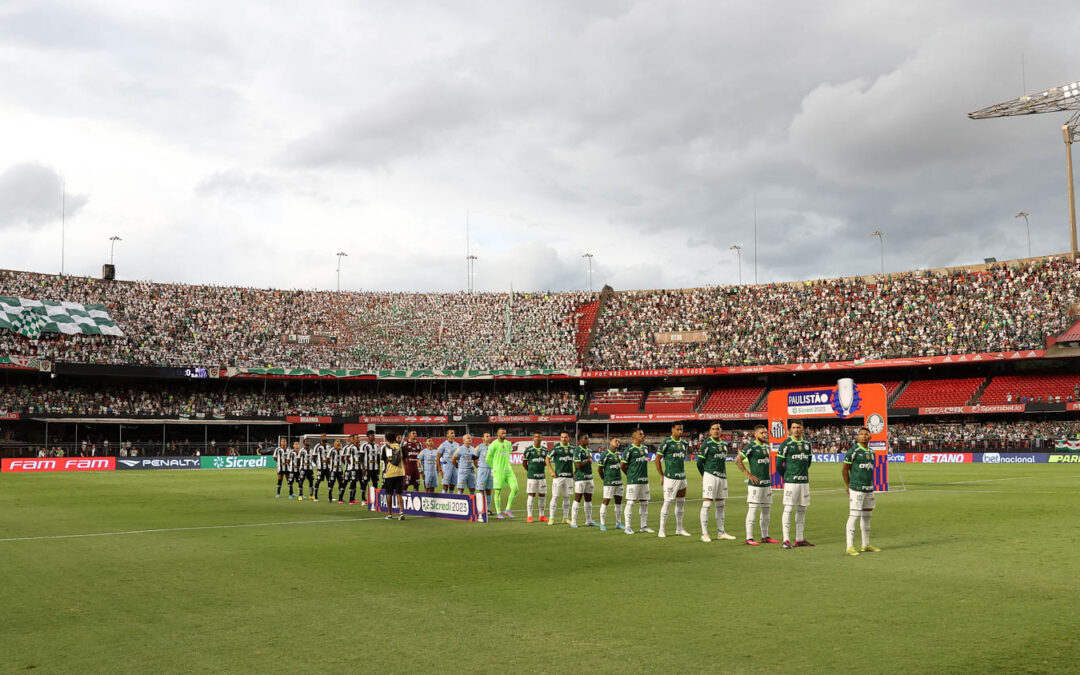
[(498, 458)]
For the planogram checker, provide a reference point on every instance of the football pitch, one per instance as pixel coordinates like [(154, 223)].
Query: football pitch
[(180, 571)]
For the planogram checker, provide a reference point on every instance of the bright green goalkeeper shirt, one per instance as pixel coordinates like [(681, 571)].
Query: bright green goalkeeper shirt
[(498, 456)]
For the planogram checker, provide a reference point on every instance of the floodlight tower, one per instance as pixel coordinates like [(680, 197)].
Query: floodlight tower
[(1055, 99)]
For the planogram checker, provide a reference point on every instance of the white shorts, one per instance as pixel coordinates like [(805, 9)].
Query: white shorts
[(536, 486), (759, 494), (713, 487), (860, 501), (583, 487), (638, 492), (796, 494), (613, 491), (562, 486), (672, 487)]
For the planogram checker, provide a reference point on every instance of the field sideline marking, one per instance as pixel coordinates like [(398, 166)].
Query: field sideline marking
[(188, 529)]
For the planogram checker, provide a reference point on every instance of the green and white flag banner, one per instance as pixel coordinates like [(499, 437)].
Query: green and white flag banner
[(31, 318)]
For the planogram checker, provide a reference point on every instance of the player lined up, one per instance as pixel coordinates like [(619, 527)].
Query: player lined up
[(347, 466), (463, 466)]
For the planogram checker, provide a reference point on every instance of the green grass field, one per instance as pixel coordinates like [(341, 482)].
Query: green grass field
[(979, 572)]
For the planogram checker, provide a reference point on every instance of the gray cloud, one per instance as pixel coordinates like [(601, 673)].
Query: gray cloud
[(30, 194), (638, 130)]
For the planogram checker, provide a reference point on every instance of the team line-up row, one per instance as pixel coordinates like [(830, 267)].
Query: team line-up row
[(487, 467)]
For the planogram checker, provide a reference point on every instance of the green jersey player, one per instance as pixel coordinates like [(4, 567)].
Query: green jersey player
[(535, 460), (635, 464), (759, 484), (793, 461), (583, 481), (560, 461), (859, 478), (712, 464), (611, 474), (671, 465)]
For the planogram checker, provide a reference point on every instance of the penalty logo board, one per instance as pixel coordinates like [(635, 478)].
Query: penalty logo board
[(845, 401)]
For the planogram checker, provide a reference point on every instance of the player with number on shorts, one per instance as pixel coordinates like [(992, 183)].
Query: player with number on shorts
[(712, 464), (754, 461), (671, 465), (858, 475), (534, 460), (611, 476), (793, 461), (635, 465), (560, 461), (583, 481)]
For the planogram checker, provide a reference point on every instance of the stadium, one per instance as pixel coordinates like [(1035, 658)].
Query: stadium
[(203, 475)]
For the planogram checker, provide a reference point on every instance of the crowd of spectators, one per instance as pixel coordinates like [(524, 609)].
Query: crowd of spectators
[(184, 325), (911, 314), (114, 401)]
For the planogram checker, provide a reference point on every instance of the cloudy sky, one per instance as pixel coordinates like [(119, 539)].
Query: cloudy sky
[(248, 142)]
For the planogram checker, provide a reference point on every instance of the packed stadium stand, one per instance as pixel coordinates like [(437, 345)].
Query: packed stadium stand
[(1031, 388), (958, 311), (734, 399), (616, 401), (939, 392), (672, 400)]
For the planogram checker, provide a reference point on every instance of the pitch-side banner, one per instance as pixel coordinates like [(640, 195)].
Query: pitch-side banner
[(35, 464), (146, 463), (238, 462), (467, 508)]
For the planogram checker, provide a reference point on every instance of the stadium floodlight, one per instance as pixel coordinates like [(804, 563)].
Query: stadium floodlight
[(1065, 98), (738, 254), (1024, 215), (590, 257), (881, 239), (112, 247), (470, 270), (340, 255)]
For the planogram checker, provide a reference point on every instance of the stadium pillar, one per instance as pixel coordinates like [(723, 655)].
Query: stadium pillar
[(46, 433), (76, 438), (162, 438)]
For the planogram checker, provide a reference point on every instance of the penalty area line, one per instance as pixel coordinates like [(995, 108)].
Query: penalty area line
[(187, 529)]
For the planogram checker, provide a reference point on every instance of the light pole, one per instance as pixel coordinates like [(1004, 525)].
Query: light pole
[(1065, 98), (738, 253), (1024, 215), (340, 255), (881, 239), (590, 257), (112, 247), (470, 262)]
